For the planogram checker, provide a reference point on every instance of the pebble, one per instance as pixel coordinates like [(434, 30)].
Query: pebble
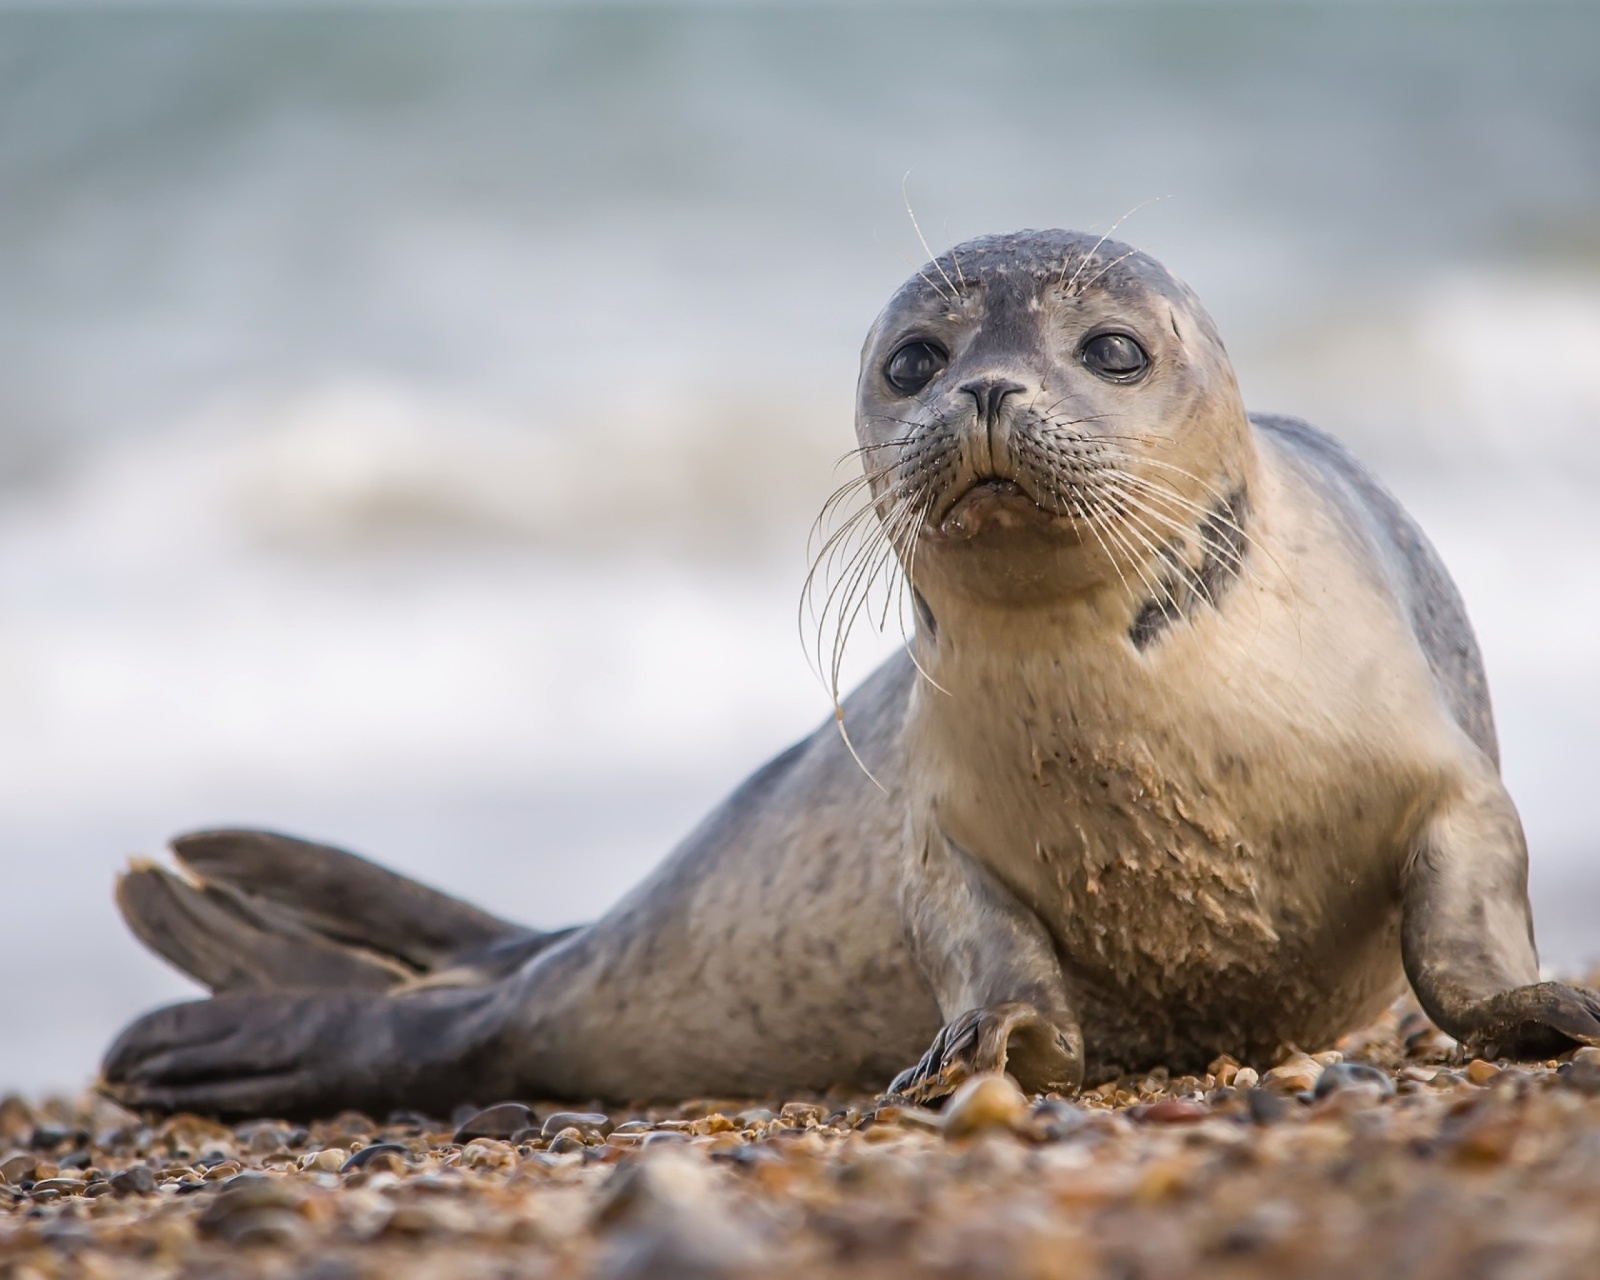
[(1169, 1111), (66, 1186), (328, 1160), (254, 1209), (1481, 1072), (805, 1113), (1264, 1106), (1298, 1075), (500, 1121), (665, 1216), (380, 1155), (589, 1124), (988, 1101), (1582, 1076), (1354, 1078)]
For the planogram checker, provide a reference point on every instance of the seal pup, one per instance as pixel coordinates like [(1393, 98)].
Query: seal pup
[(1191, 752)]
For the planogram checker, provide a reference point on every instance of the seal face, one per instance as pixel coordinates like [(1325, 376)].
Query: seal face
[(1190, 753)]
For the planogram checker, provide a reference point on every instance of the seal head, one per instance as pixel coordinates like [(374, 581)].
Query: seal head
[(1041, 410)]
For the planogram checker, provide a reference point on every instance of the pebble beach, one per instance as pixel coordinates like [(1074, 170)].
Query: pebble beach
[(1394, 1154)]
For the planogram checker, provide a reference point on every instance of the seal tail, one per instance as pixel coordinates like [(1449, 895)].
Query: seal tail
[(255, 910)]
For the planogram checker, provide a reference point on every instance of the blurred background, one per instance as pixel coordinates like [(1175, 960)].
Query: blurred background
[(411, 420)]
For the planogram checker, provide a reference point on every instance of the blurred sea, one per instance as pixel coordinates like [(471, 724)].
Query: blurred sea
[(411, 421)]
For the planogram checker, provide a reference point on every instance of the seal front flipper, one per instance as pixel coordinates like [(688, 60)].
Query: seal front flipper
[(1467, 934), (307, 1054), (261, 911), (993, 970)]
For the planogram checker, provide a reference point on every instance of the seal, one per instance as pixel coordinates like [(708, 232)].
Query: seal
[(1190, 752)]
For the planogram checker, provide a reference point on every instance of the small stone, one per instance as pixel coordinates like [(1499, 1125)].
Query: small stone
[(1354, 1077), (260, 1226), (64, 1186), (1481, 1072), (255, 1208), (328, 1160), (1298, 1075), (1223, 1069), (1588, 1053), (380, 1155), (47, 1137), (587, 1123), (1168, 1111), (1582, 1076), (412, 1121), (1055, 1120), (1246, 1078), (16, 1117), (266, 1140), (499, 1121), (754, 1116), (1265, 1107), (1487, 1139), (17, 1167), (988, 1101), (487, 1153), (565, 1141), (356, 1124), (803, 1113), (665, 1216)]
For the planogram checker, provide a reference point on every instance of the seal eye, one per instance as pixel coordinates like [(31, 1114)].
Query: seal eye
[(914, 366), (1115, 356)]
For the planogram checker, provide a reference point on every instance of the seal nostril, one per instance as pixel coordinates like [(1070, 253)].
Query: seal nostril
[(989, 394)]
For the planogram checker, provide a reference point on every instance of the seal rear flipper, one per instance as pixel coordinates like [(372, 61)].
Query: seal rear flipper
[(344, 897), (227, 943), (254, 910), (301, 1055)]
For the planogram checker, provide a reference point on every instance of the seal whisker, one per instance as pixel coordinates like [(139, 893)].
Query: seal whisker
[(905, 195), (827, 554), (879, 552), (1089, 284), (1216, 516), (1110, 231), (1168, 552), (1093, 518), (1141, 551)]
